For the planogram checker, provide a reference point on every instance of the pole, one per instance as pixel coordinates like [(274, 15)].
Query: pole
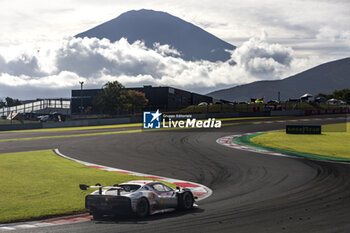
[(81, 96)]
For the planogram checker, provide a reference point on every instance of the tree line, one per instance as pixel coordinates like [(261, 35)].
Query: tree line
[(9, 102), (343, 94)]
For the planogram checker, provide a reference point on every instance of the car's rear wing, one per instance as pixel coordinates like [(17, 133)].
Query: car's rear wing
[(100, 187)]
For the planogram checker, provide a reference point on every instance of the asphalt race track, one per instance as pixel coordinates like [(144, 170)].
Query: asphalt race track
[(251, 192)]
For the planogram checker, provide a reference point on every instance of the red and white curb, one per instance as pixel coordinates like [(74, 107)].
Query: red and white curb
[(44, 223), (198, 190), (227, 141)]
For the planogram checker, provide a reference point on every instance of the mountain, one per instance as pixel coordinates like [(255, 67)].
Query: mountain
[(154, 26), (324, 78)]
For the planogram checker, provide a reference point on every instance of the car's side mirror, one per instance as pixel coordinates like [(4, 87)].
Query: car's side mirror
[(178, 188)]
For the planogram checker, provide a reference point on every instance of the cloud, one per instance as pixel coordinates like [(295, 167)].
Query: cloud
[(333, 34), (264, 60), (233, 21), (59, 67), (166, 50)]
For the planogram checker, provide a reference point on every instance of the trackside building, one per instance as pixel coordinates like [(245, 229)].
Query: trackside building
[(164, 98)]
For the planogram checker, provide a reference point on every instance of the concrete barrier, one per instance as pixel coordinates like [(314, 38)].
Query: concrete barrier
[(253, 114), (21, 126), (92, 122), (222, 115), (288, 113)]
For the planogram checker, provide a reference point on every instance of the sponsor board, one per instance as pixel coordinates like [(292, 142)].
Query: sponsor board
[(303, 129)]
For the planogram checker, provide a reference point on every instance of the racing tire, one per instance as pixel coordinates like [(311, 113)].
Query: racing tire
[(186, 201), (142, 208)]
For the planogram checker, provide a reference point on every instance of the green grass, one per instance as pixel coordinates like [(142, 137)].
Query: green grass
[(76, 135), (39, 184), (76, 128), (333, 142)]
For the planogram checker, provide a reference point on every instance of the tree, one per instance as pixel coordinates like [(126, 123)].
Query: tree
[(2, 104), (343, 94), (347, 97), (136, 100), (12, 102), (113, 98)]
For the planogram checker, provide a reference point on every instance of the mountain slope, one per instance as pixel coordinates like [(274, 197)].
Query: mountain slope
[(324, 78), (153, 26)]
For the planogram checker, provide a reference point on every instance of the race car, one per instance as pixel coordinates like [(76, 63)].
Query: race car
[(139, 197)]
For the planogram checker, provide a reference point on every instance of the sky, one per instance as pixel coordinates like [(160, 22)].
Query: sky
[(39, 58)]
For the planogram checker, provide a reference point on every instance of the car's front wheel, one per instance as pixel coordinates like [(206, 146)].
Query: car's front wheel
[(142, 207)]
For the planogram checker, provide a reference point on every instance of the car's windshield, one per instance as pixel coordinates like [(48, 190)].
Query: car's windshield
[(161, 187), (130, 187)]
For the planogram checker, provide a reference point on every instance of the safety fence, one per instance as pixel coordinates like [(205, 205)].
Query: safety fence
[(36, 106)]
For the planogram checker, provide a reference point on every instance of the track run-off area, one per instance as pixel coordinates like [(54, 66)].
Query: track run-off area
[(252, 192)]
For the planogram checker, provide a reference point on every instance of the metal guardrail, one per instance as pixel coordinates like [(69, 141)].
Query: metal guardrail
[(36, 106)]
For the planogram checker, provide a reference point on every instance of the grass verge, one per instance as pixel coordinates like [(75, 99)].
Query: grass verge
[(75, 128), (331, 143), (40, 184)]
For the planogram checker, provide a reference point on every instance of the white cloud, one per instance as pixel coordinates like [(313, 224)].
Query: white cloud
[(59, 67), (333, 34), (166, 50), (264, 60)]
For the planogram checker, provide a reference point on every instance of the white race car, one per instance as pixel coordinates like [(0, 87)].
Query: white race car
[(140, 197)]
